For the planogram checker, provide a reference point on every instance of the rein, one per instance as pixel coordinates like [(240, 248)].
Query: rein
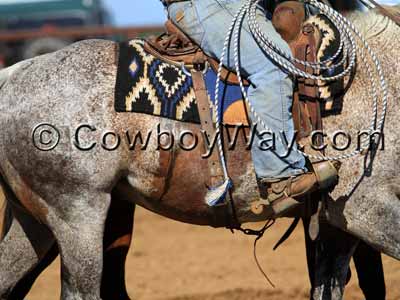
[(258, 234), (250, 232)]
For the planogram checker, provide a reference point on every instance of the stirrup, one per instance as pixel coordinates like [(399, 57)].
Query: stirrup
[(282, 195), (327, 172)]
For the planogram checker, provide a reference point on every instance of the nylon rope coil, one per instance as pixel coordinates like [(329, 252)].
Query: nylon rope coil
[(347, 48)]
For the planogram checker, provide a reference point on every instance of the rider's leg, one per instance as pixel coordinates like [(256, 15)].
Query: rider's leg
[(272, 89)]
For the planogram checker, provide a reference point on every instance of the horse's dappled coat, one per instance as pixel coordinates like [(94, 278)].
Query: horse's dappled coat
[(87, 71)]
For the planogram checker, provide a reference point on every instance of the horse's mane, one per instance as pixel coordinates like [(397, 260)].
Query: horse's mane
[(394, 9), (372, 23), (382, 34)]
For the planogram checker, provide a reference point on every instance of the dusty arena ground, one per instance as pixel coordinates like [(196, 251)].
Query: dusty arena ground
[(175, 261)]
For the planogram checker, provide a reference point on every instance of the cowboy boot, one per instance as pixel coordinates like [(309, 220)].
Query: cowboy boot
[(282, 195)]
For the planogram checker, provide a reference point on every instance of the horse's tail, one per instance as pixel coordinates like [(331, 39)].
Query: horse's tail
[(7, 215), (6, 209), (7, 72), (5, 75)]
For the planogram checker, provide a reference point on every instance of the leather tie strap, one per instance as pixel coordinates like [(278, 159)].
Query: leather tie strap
[(306, 112), (214, 164)]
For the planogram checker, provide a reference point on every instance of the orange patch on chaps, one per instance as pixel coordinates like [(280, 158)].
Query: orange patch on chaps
[(123, 241), (30, 201), (26, 197)]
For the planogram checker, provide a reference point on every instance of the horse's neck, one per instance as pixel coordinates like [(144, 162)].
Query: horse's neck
[(382, 36), (358, 103)]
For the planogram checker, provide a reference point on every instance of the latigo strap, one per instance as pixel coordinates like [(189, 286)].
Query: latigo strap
[(214, 163)]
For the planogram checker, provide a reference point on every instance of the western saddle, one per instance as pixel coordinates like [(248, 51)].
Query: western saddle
[(176, 48)]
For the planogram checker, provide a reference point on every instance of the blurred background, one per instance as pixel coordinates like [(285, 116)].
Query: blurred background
[(33, 27), (168, 260)]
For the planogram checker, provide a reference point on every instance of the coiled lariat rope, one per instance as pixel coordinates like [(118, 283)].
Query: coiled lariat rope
[(347, 48)]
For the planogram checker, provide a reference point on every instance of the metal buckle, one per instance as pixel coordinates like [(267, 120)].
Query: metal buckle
[(204, 70)]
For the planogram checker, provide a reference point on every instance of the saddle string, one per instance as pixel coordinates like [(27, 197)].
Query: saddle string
[(287, 233), (347, 47)]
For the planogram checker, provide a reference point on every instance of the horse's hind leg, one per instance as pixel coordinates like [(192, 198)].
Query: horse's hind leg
[(79, 234), (117, 240), (25, 244)]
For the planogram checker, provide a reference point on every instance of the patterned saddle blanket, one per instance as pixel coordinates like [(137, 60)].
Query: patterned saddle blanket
[(149, 85)]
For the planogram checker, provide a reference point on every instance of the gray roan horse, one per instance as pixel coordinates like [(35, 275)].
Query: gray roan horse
[(65, 194)]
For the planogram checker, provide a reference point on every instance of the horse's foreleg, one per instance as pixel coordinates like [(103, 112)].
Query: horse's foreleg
[(117, 240), (311, 248), (310, 251), (334, 249), (368, 262), (25, 244)]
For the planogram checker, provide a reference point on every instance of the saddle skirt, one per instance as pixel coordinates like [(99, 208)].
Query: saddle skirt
[(147, 84)]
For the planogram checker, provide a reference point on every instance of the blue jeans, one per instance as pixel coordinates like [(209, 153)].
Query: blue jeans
[(271, 92)]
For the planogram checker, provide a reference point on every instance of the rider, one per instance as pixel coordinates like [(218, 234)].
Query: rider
[(271, 92)]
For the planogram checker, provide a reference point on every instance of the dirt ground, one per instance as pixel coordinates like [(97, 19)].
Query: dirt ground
[(175, 261)]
